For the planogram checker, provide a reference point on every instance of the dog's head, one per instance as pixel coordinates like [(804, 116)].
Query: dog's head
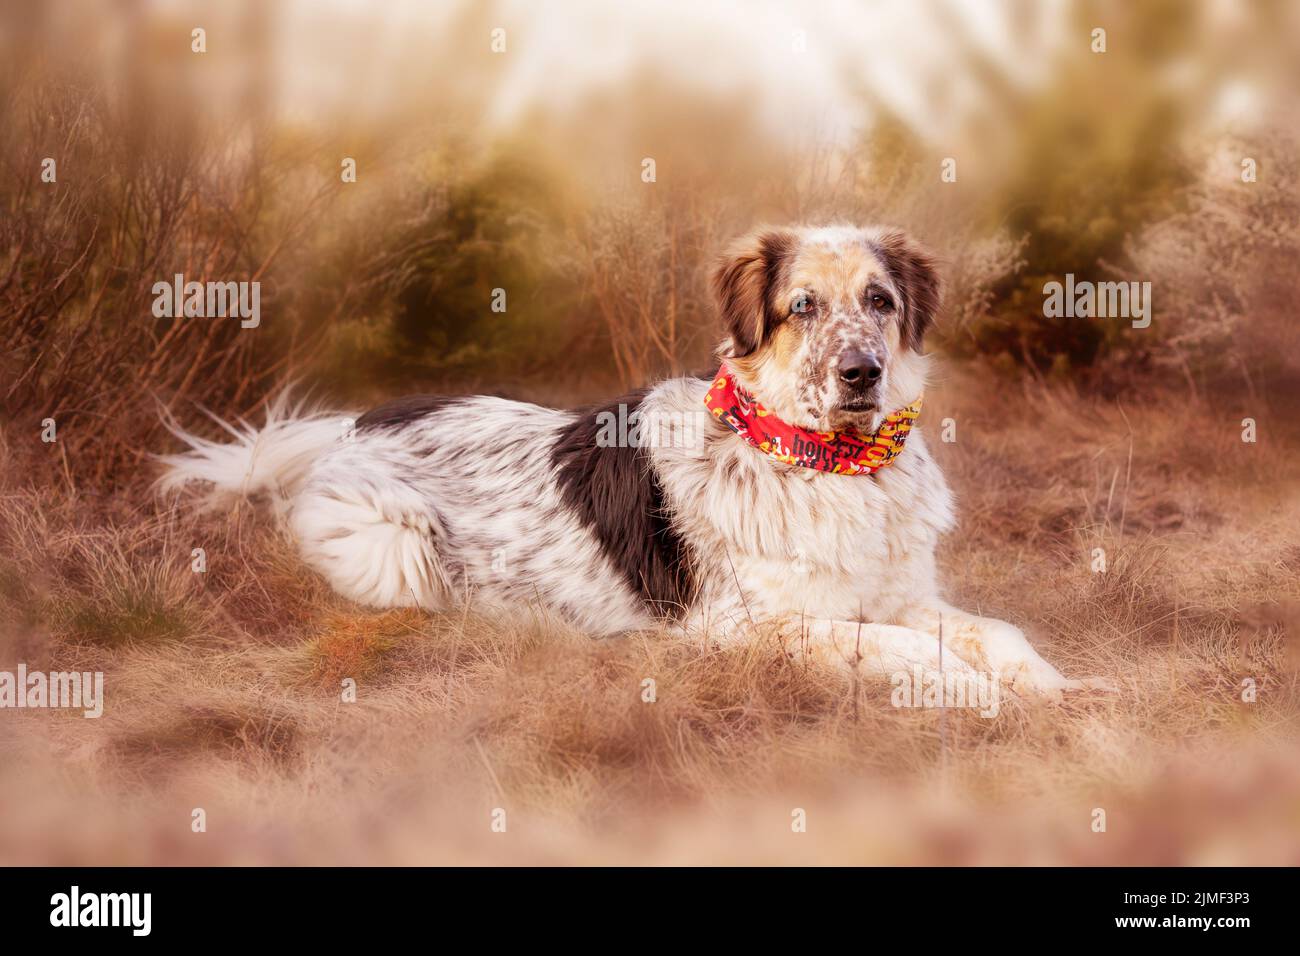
[(825, 324)]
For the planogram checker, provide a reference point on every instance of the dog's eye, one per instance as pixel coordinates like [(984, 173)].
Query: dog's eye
[(801, 303), (882, 302)]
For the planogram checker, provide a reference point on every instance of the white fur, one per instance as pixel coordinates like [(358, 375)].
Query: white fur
[(803, 542)]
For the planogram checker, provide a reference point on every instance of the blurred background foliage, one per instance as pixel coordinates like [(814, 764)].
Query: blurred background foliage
[(522, 171)]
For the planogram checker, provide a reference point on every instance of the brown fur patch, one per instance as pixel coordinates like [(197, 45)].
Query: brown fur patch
[(744, 282), (914, 271)]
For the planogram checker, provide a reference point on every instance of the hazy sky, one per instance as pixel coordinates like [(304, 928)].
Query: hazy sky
[(802, 66), (807, 60)]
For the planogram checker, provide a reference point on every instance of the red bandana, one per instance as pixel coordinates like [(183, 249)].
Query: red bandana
[(843, 453)]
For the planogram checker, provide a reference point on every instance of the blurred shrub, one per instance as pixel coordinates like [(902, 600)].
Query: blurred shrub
[(643, 265), (1094, 159), (424, 261), (1223, 273), (137, 199)]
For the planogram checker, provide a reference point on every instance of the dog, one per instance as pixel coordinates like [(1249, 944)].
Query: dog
[(792, 490)]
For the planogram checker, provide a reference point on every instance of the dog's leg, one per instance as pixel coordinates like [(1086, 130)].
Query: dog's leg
[(375, 540), (995, 645), (870, 648)]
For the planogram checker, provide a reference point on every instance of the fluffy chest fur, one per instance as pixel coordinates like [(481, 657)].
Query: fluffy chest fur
[(801, 542)]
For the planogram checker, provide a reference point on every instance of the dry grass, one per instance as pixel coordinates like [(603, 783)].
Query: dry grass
[(223, 689)]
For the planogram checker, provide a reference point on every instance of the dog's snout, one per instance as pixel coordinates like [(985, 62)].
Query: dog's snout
[(859, 368)]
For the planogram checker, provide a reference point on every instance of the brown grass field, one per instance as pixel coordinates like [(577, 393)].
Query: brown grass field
[(223, 688), (384, 173)]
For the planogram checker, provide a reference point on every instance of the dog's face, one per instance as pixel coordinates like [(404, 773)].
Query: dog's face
[(825, 324)]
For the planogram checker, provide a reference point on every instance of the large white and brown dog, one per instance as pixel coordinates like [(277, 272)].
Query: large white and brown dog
[(779, 491)]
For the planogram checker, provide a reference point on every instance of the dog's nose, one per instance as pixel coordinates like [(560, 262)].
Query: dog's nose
[(859, 368)]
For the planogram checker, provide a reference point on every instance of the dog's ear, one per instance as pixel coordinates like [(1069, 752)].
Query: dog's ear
[(744, 283), (914, 272)]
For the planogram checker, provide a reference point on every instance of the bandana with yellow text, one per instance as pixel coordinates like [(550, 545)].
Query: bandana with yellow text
[(845, 452)]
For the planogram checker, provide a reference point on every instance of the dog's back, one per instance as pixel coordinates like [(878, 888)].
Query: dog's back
[(428, 500)]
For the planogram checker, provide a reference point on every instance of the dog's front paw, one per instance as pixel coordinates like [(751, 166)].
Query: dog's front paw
[(1037, 678)]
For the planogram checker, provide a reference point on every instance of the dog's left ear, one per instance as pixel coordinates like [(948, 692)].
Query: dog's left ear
[(914, 272)]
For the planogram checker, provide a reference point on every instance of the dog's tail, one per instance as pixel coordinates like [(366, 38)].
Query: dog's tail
[(273, 459)]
